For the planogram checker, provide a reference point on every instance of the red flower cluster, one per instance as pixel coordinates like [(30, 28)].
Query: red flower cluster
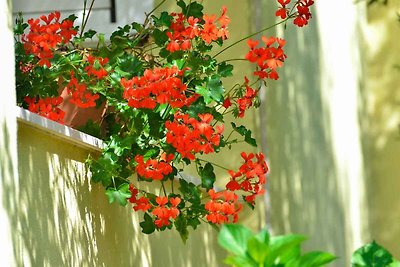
[(163, 213), (211, 32), (47, 107), (81, 97), (141, 203), (246, 101), (222, 207), (96, 67), (189, 136), (160, 85), (43, 39), (154, 169), (183, 30), (268, 58), (303, 11), (250, 177), (179, 34)]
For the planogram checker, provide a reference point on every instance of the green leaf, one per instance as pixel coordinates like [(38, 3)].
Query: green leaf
[(181, 227), (234, 237), (193, 9), (189, 191), (71, 17), (207, 176), (250, 140), (120, 144), (257, 250), (121, 194), (193, 222), (263, 236), (137, 26), (371, 255), (147, 225), (285, 248), (213, 90), (164, 20), (243, 131), (89, 34), (225, 70), (240, 261), (160, 37), (316, 258), (129, 66), (395, 264), (216, 89)]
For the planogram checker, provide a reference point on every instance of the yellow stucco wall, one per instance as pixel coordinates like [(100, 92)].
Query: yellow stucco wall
[(61, 219), (383, 143)]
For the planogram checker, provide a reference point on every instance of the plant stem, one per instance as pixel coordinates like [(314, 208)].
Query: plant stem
[(86, 17), (222, 167), (154, 9), (251, 35), (163, 188)]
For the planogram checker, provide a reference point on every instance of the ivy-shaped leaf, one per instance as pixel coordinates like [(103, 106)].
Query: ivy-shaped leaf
[(225, 70), (193, 9), (190, 192), (160, 37), (147, 224), (164, 20), (181, 226), (371, 255), (212, 91), (243, 131), (121, 194), (207, 176)]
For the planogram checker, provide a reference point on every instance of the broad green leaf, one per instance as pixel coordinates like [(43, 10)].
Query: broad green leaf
[(193, 9), (371, 255), (243, 131), (215, 88), (284, 248), (89, 34), (316, 258), (181, 226), (395, 264), (234, 237), (207, 176), (160, 37), (203, 91), (263, 236), (250, 140), (225, 70), (193, 222), (164, 20), (121, 194), (190, 192), (147, 225), (257, 250), (240, 261)]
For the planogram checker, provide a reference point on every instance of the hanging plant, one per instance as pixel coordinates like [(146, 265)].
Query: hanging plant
[(159, 87)]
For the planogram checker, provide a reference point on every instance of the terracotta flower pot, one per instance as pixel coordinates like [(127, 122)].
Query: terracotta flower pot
[(75, 116)]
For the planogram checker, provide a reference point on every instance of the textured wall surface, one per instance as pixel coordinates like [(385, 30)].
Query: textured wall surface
[(382, 127), (64, 220), (8, 131)]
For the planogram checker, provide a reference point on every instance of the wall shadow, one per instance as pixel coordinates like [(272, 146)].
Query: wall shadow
[(58, 218), (304, 193)]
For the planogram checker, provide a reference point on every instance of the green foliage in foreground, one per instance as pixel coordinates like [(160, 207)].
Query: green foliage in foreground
[(247, 249), (373, 255)]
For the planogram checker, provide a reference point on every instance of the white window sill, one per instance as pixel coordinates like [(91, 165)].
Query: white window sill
[(58, 130)]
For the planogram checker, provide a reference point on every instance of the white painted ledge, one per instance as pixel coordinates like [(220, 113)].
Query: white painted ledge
[(70, 135), (58, 130)]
